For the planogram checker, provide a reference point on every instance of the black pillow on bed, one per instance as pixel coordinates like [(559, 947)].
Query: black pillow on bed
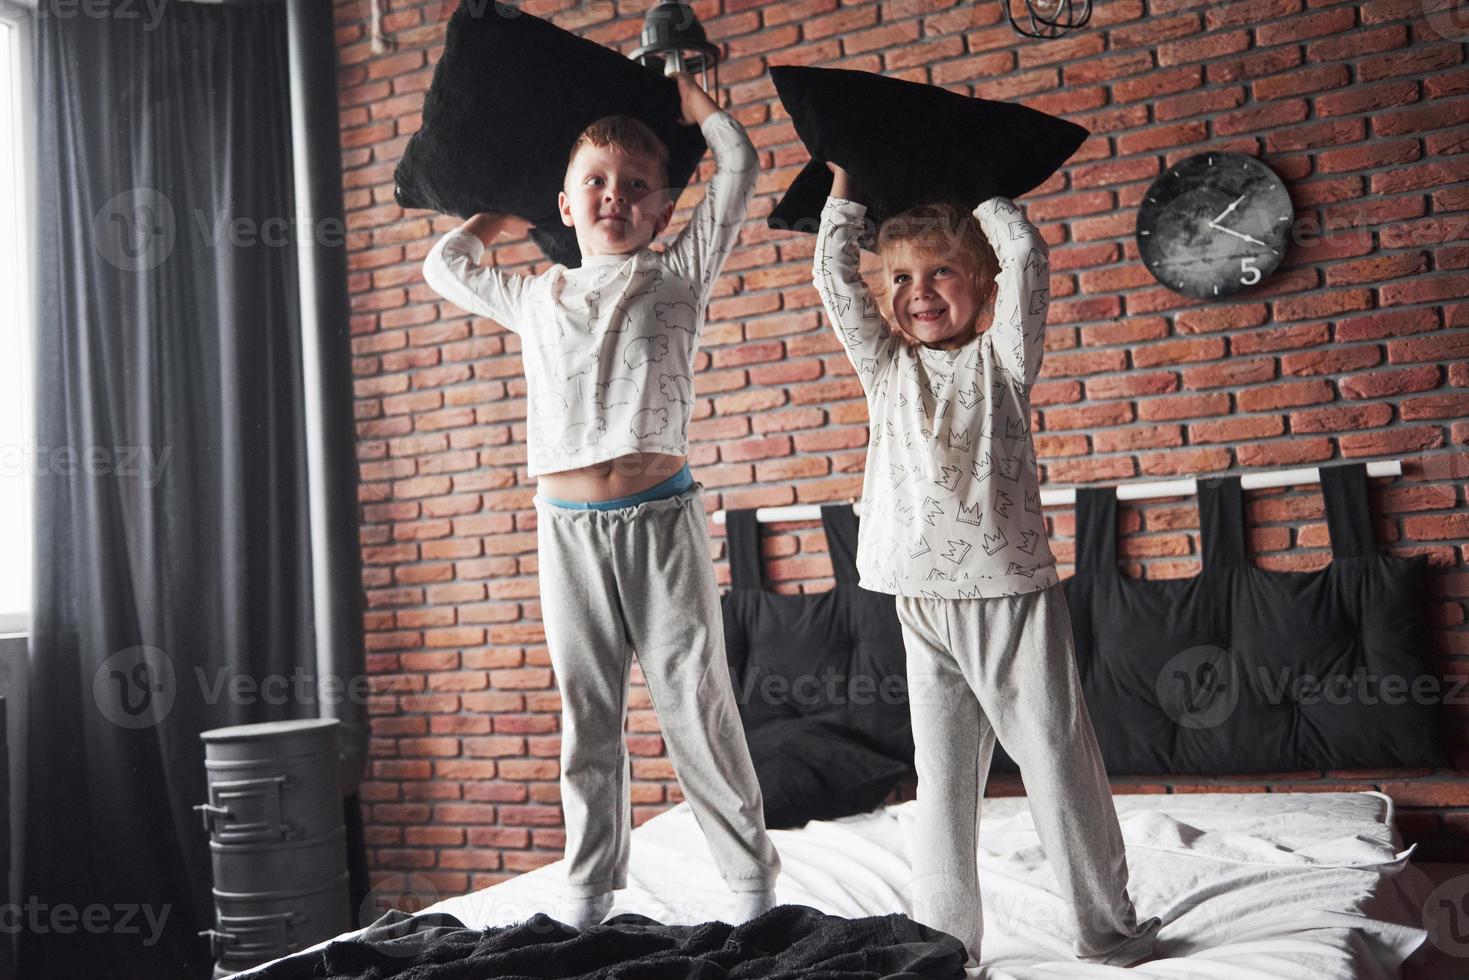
[(906, 143), (820, 681), (816, 771), (509, 96), (836, 656)]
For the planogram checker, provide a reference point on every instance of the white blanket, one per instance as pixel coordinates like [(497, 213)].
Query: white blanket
[(1249, 885)]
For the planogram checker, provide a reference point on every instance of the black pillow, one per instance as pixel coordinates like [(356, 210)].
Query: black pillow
[(834, 657), (813, 771), (906, 143), (819, 679), (509, 96)]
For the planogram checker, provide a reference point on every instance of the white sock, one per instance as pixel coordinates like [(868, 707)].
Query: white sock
[(585, 911), (748, 905)]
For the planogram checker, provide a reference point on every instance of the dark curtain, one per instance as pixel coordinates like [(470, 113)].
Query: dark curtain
[(172, 551)]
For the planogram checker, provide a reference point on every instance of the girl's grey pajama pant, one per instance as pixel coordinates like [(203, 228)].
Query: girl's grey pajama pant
[(1004, 667), (641, 578)]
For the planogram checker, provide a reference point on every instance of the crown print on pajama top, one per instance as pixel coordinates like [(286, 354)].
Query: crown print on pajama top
[(608, 347), (951, 496)]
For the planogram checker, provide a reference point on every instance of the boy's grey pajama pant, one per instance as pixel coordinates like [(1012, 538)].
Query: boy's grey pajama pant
[(1004, 667), (642, 578)]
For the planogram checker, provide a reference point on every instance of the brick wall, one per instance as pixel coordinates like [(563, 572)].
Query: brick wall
[(1355, 349)]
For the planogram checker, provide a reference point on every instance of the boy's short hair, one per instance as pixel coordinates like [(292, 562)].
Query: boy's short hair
[(939, 229), (625, 134)]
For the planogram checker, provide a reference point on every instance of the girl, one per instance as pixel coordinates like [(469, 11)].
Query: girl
[(955, 531)]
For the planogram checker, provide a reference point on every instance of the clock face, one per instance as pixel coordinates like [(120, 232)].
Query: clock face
[(1214, 224)]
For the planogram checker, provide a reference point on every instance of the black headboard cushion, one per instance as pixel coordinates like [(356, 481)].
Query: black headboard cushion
[(1241, 669)]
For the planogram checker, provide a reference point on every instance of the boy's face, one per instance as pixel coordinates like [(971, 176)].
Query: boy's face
[(934, 302), (617, 202)]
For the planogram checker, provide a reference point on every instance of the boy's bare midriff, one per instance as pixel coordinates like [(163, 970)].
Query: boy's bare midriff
[(620, 477)]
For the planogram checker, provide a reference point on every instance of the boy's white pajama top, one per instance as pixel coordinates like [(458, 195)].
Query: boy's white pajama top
[(951, 495), (609, 346)]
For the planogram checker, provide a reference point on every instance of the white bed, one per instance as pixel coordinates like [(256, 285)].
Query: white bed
[(1249, 885)]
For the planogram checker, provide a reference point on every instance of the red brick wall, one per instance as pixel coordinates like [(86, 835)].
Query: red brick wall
[(1355, 349)]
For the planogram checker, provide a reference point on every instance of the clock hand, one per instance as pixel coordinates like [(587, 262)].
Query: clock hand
[(1231, 231), (1228, 209)]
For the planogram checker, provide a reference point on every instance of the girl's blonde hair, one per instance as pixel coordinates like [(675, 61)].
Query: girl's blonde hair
[(939, 230)]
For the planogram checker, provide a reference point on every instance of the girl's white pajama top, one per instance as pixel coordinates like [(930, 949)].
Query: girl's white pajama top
[(951, 498)]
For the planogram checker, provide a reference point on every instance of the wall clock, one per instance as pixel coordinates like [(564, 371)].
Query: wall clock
[(1214, 224)]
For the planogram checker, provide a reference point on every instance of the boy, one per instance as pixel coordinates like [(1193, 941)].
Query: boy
[(623, 546), (952, 526)]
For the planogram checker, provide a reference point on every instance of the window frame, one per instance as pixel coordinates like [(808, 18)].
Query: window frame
[(20, 18)]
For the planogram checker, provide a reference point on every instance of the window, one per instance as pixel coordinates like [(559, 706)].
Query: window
[(17, 419)]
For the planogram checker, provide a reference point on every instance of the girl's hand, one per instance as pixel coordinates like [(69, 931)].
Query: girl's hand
[(842, 185)]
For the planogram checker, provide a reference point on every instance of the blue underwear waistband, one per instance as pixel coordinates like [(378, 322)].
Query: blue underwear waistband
[(677, 483)]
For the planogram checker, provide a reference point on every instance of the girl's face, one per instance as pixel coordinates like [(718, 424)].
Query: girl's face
[(933, 301), (614, 201)]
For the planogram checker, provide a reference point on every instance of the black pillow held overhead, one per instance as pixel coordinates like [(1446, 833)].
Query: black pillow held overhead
[(509, 96), (906, 143)]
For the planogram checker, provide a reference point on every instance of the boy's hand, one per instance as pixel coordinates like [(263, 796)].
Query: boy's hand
[(695, 103), (489, 225), (842, 185)]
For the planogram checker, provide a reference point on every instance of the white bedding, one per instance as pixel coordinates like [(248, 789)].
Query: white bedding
[(1249, 885)]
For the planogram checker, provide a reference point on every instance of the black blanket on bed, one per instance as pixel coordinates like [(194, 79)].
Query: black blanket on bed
[(790, 942)]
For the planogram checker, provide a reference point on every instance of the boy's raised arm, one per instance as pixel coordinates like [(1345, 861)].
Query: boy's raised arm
[(452, 269), (1022, 288), (699, 251)]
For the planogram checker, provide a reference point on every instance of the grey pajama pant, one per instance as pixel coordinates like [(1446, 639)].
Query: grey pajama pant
[(640, 578), (1004, 667)]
